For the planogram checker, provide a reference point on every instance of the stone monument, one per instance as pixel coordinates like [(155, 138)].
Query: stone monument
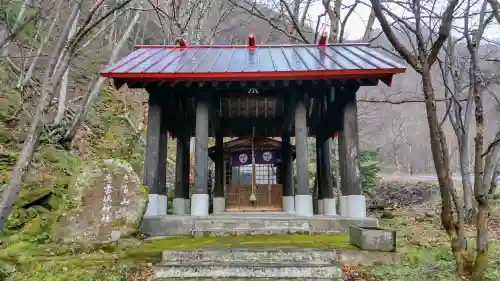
[(107, 202)]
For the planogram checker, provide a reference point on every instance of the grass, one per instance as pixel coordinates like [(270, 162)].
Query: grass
[(428, 254), (436, 263)]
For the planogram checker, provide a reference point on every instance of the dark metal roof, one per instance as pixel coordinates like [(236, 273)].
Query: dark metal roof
[(284, 62)]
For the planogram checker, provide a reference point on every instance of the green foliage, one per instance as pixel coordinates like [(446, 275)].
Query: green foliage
[(369, 170)]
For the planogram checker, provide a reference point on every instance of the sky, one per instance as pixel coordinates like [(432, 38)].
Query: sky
[(356, 24)]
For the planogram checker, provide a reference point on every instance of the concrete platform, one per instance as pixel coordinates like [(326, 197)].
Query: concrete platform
[(249, 224)]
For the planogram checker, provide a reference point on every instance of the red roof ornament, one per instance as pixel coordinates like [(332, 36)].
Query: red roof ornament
[(251, 40), (182, 42), (322, 39)]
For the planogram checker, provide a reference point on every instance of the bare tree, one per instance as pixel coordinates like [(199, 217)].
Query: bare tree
[(91, 96), (398, 140), (455, 69), (53, 74), (483, 170), (421, 58)]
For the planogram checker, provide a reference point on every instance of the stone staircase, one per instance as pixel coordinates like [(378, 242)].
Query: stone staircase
[(250, 263)]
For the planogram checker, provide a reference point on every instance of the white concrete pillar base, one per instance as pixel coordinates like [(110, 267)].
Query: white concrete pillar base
[(356, 206), (219, 205), (157, 205), (187, 205), (179, 206), (304, 205), (343, 206), (320, 207), (288, 204), (329, 206), (199, 205)]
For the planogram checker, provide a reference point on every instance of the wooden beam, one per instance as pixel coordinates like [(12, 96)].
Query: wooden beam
[(331, 119)]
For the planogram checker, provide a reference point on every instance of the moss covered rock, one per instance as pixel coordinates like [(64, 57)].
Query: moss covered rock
[(106, 203), (28, 198)]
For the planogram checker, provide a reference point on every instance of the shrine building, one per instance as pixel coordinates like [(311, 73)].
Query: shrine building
[(262, 96)]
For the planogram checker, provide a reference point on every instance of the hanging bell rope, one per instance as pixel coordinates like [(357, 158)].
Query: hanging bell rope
[(253, 198)]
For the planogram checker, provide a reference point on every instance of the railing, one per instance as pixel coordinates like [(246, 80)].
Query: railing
[(268, 197)]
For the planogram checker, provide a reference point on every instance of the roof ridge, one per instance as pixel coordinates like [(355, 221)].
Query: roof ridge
[(246, 46)]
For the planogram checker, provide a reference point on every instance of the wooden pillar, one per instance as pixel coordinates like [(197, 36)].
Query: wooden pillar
[(319, 175), (287, 177), (186, 155), (155, 162), (219, 202), (179, 202), (329, 206), (200, 197), (355, 205), (303, 198)]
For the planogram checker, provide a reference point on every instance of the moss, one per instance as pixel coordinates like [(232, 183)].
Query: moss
[(260, 241), (53, 202), (118, 222), (30, 197)]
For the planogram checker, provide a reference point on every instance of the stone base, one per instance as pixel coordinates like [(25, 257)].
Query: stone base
[(320, 207), (219, 204), (356, 206), (304, 205), (250, 224), (343, 206), (188, 206), (157, 205), (179, 206), (288, 204), (329, 206), (199, 206)]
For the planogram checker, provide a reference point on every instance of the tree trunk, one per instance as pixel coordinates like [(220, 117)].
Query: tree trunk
[(465, 173), (63, 90), (480, 187), (441, 165), (494, 179)]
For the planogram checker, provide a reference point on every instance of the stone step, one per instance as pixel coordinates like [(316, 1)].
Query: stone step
[(253, 255), (248, 225), (205, 269), (248, 231), (246, 279), (231, 223)]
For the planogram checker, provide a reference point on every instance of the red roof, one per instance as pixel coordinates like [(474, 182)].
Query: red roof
[(283, 62)]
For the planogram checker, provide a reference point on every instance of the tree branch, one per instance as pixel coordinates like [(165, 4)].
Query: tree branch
[(17, 30), (444, 32), (386, 27), (273, 25), (492, 145), (495, 6)]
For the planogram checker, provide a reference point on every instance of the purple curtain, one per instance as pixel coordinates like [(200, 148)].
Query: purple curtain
[(261, 157)]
